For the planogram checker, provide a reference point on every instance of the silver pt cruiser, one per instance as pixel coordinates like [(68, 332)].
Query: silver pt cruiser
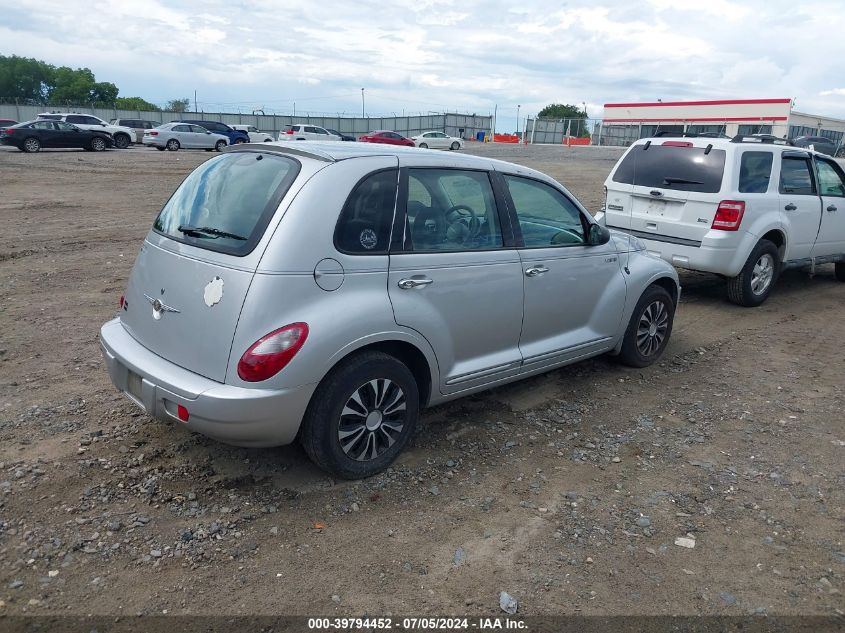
[(327, 292)]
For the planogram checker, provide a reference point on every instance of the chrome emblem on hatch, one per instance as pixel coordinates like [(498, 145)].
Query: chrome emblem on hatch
[(159, 308)]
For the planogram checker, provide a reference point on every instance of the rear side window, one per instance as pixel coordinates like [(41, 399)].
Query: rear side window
[(364, 224), (795, 176), (226, 203), (671, 167), (755, 172)]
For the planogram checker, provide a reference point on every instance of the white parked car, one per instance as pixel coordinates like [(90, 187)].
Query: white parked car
[(744, 208), (123, 136), (179, 135), (255, 135), (437, 140), (305, 132)]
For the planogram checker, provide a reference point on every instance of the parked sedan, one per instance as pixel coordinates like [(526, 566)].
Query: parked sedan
[(818, 143), (437, 140), (387, 137), (497, 274), (31, 136), (7, 123), (343, 137), (175, 136)]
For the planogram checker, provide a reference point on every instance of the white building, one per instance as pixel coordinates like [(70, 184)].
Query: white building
[(623, 123)]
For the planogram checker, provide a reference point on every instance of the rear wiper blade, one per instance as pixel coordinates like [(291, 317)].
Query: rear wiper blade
[(669, 180), (204, 231)]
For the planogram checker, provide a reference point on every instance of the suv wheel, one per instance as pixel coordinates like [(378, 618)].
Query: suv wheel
[(172, 145), (31, 145), (122, 141), (361, 416), (839, 271), (754, 283), (649, 329), (220, 145)]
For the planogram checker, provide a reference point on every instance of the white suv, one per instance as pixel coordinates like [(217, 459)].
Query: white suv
[(121, 134), (305, 132), (255, 135), (743, 208)]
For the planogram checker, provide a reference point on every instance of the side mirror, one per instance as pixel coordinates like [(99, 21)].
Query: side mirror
[(598, 235)]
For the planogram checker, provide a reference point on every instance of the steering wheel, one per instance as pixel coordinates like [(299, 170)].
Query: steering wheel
[(461, 227)]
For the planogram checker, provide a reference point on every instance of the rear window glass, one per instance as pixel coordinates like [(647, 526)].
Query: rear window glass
[(669, 167), (755, 172), (226, 203)]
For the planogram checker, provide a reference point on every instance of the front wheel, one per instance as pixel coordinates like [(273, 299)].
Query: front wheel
[(31, 145), (122, 141), (172, 145), (220, 146), (423, 145), (98, 144), (239, 141), (753, 284), (361, 416), (649, 329), (456, 145)]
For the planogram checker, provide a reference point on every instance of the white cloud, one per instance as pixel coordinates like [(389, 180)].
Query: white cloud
[(421, 55)]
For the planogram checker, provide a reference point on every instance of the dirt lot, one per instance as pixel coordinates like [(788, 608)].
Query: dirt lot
[(568, 491)]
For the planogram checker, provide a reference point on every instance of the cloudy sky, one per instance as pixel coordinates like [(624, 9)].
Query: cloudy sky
[(421, 55)]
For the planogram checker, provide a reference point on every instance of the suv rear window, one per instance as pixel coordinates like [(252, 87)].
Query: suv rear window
[(672, 167), (226, 203)]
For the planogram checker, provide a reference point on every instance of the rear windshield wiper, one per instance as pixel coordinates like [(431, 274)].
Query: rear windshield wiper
[(206, 231), (669, 180)]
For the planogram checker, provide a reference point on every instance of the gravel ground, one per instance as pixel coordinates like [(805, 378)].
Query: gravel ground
[(711, 483)]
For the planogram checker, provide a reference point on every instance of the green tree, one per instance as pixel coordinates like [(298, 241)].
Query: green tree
[(135, 103), (25, 79), (561, 111), (80, 86), (178, 105)]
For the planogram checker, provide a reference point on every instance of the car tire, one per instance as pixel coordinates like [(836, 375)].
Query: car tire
[(349, 387), (97, 144), (161, 149), (839, 271), (455, 146), (754, 283), (239, 141), (122, 141), (31, 145), (649, 329), (220, 145), (423, 145), (172, 145)]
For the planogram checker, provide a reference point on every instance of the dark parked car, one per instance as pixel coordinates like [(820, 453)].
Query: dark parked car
[(387, 137), (819, 143), (7, 123), (343, 137), (33, 135), (235, 136)]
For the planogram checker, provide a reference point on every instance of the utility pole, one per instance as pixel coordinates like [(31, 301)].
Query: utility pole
[(493, 131), (363, 115), (195, 101), (517, 118)]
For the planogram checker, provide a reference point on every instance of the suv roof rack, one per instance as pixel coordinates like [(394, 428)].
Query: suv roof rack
[(769, 140)]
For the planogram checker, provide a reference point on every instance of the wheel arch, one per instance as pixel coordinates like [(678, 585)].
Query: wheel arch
[(778, 238), (670, 286)]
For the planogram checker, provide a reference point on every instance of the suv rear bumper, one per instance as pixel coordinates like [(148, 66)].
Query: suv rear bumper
[(229, 414)]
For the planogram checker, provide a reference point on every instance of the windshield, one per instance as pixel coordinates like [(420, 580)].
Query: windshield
[(672, 167), (226, 203)]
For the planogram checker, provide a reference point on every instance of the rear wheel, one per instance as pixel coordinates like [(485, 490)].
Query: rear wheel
[(122, 141), (172, 145), (361, 416), (753, 284), (649, 329), (31, 145), (220, 145), (839, 271), (455, 145), (97, 144)]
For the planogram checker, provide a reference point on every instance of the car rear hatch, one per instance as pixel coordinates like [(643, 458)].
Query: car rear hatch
[(192, 275), (666, 191)]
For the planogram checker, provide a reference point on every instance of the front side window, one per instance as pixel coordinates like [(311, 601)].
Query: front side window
[(831, 178), (546, 216), (365, 221), (43, 125), (198, 129), (65, 127), (451, 210), (226, 203), (795, 176), (755, 172)]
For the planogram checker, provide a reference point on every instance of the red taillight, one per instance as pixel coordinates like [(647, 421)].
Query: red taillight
[(677, 143), (728, 215), (122, 301), (182, 412), (271, 353), (153, 133), (290, 131), (8, 130)]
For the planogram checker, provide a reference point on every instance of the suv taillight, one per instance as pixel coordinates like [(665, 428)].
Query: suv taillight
[(289, 131), (728, 215), (271, 353)]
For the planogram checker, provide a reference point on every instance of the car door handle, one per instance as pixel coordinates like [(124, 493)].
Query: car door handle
[(790, 207), (409, 284), (831, 208), (535, 271)]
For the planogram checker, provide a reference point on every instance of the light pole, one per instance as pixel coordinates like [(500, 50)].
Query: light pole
[(584, 103), (363, 116), (517, 118)]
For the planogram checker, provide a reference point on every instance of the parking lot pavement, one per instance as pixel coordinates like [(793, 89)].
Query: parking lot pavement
[(569, 491)]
